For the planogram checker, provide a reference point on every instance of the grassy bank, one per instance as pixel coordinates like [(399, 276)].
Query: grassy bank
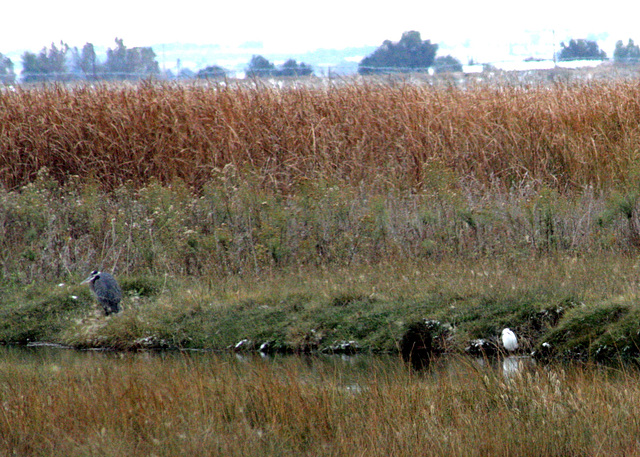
[(585, 307), (219, 406), (321, 267)]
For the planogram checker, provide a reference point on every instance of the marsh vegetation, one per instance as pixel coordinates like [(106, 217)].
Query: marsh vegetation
[(308, 216)]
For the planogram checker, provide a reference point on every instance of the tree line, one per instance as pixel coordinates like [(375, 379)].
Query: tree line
[(260, 67), (411, 53), (63, 63), (589, 50)]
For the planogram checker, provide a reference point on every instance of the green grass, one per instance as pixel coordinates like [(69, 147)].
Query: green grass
[(575, 304), (191, 404)]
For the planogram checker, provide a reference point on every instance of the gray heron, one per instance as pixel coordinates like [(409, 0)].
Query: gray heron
[(106, 289)]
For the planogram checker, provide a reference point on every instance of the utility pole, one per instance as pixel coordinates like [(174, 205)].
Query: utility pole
[(553, 32)]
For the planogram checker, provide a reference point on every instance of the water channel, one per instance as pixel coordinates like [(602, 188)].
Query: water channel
[(350, 368)]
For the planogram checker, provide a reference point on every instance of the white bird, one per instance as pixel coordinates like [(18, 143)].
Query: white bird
[(509, 340)]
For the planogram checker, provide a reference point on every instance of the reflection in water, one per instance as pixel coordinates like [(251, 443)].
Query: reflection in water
[(352, 372), (513, 365), (508, 366), (349, 372)]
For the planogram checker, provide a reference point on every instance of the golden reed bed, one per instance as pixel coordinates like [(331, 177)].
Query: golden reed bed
[(563, 135)]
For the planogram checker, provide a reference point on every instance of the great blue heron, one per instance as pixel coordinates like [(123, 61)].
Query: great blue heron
[(509, 340), (106, 289)]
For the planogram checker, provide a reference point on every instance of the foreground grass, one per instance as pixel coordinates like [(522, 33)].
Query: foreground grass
[(217, 406)]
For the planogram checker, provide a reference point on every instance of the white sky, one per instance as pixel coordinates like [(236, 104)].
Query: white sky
[(296, 26)]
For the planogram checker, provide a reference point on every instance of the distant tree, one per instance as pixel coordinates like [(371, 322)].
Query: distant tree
[(212, 72), (130, 63), (292, 68), (116, 65), (259, 67), (142, 61), (55, 60), (49, 65), (7, 75), (581, 50), (447, 64), (626, 54), (84, 63), (409, 54), (31, 71), (87, 61)]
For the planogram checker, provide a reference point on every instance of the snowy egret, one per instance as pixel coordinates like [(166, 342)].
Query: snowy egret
[(509, 340)]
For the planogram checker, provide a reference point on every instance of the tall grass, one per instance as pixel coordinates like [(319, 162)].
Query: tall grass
[(221, 407), (234, 226), (562, 135)]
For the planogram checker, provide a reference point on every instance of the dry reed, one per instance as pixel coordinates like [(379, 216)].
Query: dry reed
[(563, 135)]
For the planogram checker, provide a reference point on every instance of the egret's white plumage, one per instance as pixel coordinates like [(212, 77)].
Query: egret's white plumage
[(509, 340)]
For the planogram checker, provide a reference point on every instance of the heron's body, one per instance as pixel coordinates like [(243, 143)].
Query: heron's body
[(107, 291), (509, 340)]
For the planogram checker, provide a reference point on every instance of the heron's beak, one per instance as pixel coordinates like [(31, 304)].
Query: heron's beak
[(87, 280)]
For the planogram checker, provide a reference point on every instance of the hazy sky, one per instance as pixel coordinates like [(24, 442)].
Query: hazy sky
[(295, 26)]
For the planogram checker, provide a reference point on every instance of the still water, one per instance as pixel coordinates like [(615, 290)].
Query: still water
[(351, 369)]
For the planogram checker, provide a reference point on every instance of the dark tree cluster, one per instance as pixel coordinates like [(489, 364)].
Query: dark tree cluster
[(293, 68), (626, 54), (62, 63), (260, 67), (446, 64), (410, 54), (49, 65), (212, 72), (581, 50), (129, 63)]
